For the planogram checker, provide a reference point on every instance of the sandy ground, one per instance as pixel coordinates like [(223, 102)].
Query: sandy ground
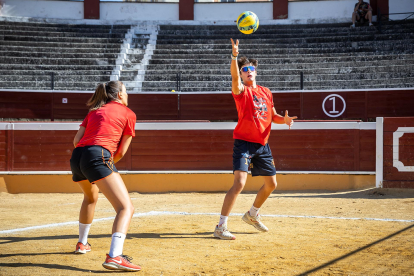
[(309, 235)]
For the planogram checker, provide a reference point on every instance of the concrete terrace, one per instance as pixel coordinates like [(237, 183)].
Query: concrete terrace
[(330, 56), (148, 57), (79, 56)]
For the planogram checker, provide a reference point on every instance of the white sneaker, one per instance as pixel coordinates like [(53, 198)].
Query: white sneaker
[(222, 233), (255, 221), (370, 24), (353, 26)]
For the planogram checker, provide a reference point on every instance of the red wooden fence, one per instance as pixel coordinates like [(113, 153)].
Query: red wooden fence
[(362, 105), (397, 175), (196, 149)]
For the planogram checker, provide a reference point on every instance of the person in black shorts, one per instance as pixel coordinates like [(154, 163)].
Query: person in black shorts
[(102, 140), (362, 10), (256, 113)]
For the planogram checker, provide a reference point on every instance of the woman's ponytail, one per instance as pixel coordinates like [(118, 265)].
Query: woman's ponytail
[(104, 93)]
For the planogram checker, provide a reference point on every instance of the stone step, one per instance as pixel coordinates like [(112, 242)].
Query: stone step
[(56, 78), (267, 61), (287, 71), (62, 39), (266, 55), (273, 83), (47, 84), (280, 88), (59, 45), (66, 61), (187, 67), (268, 45), (25, 25), (28, 50), (290, 27), (328, 39), (65, 29), (23, 72), (54, 55), (266, 30), (277, 77), (350, 34), (44, 67), (61, 34), (290, 51)]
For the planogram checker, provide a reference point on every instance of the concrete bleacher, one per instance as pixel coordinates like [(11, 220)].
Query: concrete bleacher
[(330, 57), (147, 58), (79, 56)]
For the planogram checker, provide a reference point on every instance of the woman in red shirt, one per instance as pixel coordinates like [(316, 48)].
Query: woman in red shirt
[(256, 113), (102, 140)]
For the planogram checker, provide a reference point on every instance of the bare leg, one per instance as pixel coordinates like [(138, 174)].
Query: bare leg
[(369, 16), (90, 198), (114, 189), (264, 192), (240, 178), (353, 18)]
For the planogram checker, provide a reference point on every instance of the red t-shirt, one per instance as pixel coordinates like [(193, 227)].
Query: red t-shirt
[(106, 125), (254, 108)]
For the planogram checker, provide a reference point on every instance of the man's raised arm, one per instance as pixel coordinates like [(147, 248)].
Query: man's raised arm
[(236, 85)]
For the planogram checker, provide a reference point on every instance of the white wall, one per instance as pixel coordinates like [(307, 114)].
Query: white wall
[(42, 9), (400, 6), (230, 11), (139, 11), (305, 12), (322, 11)]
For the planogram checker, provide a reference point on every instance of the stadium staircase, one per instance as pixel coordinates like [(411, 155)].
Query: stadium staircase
[(330, 57)]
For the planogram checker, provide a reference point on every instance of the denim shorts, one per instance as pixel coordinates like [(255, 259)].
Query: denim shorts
[(254, 156)]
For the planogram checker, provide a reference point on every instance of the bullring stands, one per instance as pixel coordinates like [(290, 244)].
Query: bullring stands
[(43, 56), (79, 56), (330, 57)]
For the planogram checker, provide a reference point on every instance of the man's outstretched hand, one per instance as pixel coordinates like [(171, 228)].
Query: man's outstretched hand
[(289, 120)]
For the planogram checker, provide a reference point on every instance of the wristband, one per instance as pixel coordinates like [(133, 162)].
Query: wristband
[(233, 57)]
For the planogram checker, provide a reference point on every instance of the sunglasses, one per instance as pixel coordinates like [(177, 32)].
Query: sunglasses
[(245, 69)]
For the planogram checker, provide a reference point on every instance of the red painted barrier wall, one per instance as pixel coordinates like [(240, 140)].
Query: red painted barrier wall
[(3, 150), (361, 105), (158, 150), (392, 176)]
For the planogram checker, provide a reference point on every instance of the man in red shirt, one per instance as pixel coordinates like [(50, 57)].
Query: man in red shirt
[(256, 113)]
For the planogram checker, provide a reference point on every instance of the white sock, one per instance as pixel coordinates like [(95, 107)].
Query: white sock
[(83, 232), (117, 244), (223, 220), (254, 211)]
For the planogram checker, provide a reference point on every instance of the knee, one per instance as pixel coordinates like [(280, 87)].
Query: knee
[(129, 209), (91, 199), (271, 185), (238, 186)]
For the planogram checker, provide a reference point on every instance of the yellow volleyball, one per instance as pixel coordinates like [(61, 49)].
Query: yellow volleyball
[(247, 22)]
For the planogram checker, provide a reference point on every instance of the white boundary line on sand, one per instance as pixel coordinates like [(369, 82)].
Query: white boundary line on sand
[(163, 213)]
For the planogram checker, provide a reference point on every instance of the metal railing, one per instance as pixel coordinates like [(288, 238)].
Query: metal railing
[(178, 81), (386, 17)]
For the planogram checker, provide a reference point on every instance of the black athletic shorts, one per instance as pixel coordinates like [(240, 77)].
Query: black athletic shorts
[(254, 155), (91, 163)]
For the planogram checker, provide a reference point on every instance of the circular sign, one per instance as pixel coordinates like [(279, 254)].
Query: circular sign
[(332, 104)]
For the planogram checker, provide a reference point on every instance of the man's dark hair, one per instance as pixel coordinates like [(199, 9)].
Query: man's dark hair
[(244, 60)]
